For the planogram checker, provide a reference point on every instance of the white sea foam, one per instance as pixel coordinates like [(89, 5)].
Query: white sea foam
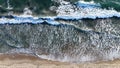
[(19, 20), (90, 4), (91, 13), (8, 5), (85, 58), (27, 11), (69, 11), (34, 20)]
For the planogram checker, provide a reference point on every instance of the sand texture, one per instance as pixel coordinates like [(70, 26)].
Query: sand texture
[(26, 61)]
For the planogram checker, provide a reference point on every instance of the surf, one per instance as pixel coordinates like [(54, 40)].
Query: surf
[(79, 32)]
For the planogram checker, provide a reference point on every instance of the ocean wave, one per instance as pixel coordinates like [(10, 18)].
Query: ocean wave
[(69, 11), (26, 19), (54, 20), (38, 7), (65, 11)]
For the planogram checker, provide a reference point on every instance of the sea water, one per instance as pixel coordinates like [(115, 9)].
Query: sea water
[(80, 32)]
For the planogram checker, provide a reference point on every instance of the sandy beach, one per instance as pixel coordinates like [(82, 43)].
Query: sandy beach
[(27, 61)]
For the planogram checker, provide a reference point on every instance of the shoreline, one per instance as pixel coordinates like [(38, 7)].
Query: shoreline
[(27, 61)]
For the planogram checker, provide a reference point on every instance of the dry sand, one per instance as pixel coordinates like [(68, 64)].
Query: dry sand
[(26, 61)]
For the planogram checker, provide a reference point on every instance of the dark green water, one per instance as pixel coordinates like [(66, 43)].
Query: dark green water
[(39, 6), (36, 6)]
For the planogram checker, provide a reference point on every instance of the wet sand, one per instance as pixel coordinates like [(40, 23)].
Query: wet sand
[(27, 61)]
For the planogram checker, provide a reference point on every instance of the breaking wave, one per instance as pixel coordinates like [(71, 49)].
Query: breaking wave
[(83, 9), (65, 11)]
